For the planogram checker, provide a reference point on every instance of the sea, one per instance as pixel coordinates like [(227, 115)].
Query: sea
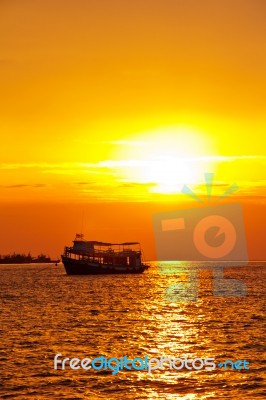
[(180, 311)]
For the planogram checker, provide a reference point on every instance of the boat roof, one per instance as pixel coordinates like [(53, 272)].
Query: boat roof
[(97, 243)]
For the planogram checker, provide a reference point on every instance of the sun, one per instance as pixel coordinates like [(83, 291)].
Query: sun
[(169, 173), (166, 158)]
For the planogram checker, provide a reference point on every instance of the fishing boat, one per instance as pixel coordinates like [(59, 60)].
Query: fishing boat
[(90, 257)]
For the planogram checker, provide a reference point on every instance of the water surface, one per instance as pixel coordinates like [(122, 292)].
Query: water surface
[(45, 312)]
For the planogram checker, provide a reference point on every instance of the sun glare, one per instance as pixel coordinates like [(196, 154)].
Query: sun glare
[(168, 173), (166, 158)]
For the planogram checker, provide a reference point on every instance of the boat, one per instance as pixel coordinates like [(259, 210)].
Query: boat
[(90, 257)]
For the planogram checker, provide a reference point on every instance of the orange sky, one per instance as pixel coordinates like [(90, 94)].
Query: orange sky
[(108, 108)]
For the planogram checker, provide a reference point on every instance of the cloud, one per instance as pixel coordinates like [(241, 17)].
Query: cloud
[(8, 166), (116, 178), (138, 184), (122, 163), (132, 163), (23, 185), (83, 183)]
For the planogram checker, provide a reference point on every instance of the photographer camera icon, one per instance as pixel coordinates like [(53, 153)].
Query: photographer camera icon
[(214, 235)]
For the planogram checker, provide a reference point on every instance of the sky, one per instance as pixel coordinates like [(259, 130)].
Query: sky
[(108, 108)]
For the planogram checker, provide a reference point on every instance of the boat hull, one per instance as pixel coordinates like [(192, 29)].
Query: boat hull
[(82, 267)]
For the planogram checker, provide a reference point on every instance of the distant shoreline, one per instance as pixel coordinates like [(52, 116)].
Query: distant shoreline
[(17, 258)]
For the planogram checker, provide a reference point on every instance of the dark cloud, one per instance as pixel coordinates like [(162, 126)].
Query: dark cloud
[(84, 183), (22, 185)]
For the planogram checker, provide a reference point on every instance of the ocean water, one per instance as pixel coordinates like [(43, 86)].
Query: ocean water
[(44, 312)]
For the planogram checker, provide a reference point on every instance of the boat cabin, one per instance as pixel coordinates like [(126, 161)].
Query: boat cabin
[(122, 254)]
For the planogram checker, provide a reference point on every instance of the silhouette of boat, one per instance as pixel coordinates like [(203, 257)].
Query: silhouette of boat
[(95, 258)]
